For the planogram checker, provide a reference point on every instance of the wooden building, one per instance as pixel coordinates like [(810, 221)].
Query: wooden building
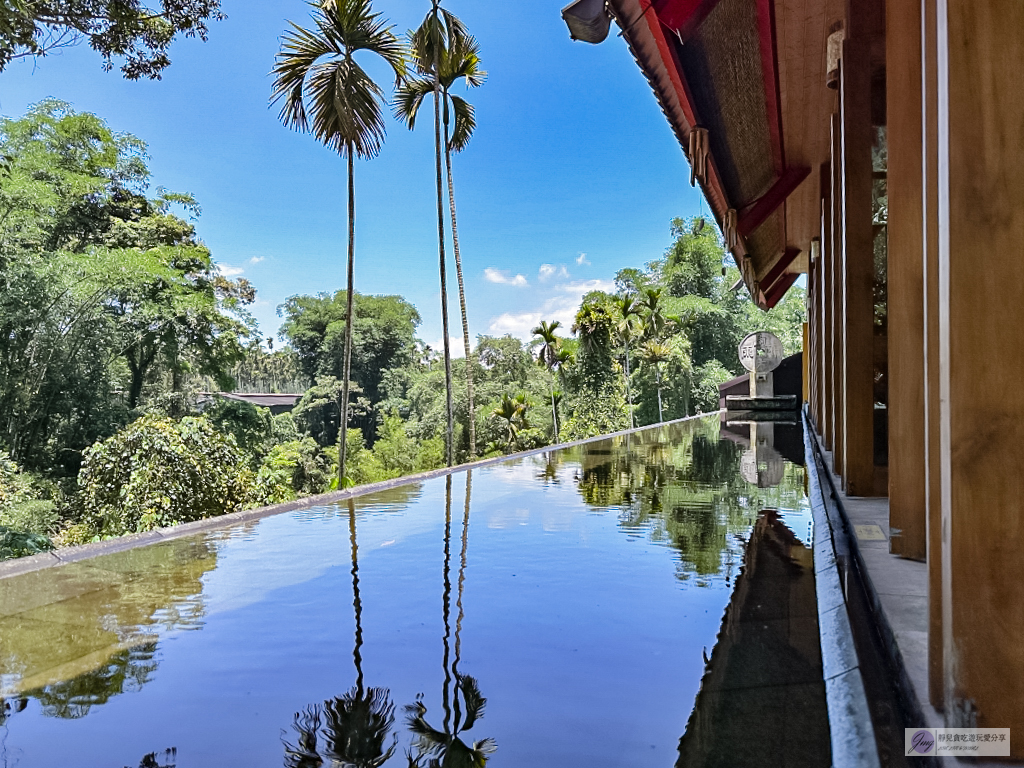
[(877, 146)]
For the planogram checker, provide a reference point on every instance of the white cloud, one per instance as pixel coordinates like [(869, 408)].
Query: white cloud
[(547, 271), (582, 260), (561, 307), (229, 271), (256, 259), (502, 277), (455, 348)]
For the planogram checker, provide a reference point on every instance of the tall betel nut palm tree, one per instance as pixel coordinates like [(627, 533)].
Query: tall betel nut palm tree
[(459, 60), (439, 32), (547, 356), (324, 91)]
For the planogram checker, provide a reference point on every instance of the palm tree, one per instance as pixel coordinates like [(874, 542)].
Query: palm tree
[(443, 747), (547, 357), (513, 411), (656, 321), (324, 91), (629, 312), (656, 352), (459, 61), (356, 725), (439, 31)]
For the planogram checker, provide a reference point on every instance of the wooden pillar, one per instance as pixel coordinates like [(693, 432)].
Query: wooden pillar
[(858, 269), (838, 315), (933, 451), (825, 307), (980, 55), (906, 280), (816, 335)]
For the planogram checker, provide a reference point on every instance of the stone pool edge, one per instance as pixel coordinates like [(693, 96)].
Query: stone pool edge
[(851, 730), (22, 565)]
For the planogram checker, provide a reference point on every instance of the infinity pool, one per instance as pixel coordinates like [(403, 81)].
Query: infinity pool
[(559, 609)]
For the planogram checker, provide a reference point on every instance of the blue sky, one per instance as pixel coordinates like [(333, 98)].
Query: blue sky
[(573, 172)]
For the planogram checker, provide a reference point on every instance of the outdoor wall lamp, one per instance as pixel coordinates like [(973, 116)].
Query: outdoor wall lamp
[(588, 20)]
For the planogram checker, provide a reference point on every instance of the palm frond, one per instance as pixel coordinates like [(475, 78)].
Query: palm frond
[(323, 90), (409, 98), (475, 701), (465, 124)]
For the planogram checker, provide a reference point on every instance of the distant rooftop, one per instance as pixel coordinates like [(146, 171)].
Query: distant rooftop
[(275, 399)]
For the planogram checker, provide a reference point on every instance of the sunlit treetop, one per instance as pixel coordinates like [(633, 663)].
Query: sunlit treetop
[(139, 33)]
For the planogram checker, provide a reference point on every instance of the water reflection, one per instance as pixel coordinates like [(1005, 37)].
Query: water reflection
[(572, 597), (761, 698), (75, 637), (685, 488), (461, 695), (354, 727)]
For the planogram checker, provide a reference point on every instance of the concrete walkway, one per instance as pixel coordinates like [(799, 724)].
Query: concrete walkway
[(898, 592)]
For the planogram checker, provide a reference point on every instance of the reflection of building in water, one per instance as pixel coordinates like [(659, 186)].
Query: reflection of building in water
[(76, 635), (762, 698), (769, 444)]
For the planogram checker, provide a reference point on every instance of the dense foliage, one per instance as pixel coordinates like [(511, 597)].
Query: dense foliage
[(139, 33), (160, 472), (114, 318)]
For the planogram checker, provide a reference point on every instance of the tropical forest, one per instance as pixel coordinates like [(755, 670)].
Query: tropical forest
[(121, 336)]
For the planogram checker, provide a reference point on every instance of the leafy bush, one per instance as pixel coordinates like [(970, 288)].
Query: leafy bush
[(293, 469), (283, 428), (14, 544), (706, 379), (157, 472), (250, 425), (37, 516)]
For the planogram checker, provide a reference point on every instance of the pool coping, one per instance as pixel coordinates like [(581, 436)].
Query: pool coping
[(64, 556), (851, 730)]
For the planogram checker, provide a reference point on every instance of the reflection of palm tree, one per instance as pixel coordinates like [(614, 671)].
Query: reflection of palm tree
[(443, 748), (355, 726)]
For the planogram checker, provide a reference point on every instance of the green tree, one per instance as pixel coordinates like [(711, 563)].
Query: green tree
[(383, 336), (460, 60), (136, 31), (158, 472), (628, 317), (439, 32), (548, 357), (316, 72)]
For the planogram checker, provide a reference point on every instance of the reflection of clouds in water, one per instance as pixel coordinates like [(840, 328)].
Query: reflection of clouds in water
[(507, 517)]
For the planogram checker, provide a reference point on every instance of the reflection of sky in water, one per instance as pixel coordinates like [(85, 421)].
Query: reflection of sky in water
[(594, 577)]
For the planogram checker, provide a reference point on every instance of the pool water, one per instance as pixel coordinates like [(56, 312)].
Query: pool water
[(559, 609)]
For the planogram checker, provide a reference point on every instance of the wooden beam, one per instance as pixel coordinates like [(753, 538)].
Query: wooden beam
[(778, 269), (756, 213), (779, 289), (838, 312), (858, 270), (683, 17), (980, 55), (825, 299), (770, 75), (932, 431), (907, 517)]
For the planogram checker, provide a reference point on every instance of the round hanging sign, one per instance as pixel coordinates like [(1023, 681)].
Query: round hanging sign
[(761, 352)]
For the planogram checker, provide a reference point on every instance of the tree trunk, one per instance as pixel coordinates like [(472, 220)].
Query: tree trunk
[(349, 318), (629, 396), (450, 436), (657, 375), (554, 411), (462, 291)]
